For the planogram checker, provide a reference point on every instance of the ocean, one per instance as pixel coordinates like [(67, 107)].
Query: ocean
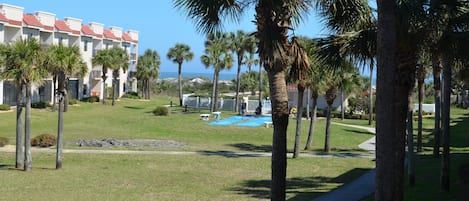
[(223, 76)]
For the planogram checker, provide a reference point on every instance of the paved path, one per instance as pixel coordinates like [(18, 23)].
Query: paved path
[(361, 187)]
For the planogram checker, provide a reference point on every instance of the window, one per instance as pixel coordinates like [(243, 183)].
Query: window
[(85, 46)]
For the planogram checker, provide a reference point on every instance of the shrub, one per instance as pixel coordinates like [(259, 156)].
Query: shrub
[(3, 141), (44, 140), (131, 95), (91, 99), (161, 111), (4, 107), (39, 105), (72, 101)]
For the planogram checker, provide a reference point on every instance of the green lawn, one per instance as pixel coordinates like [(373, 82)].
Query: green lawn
[(171, 177)]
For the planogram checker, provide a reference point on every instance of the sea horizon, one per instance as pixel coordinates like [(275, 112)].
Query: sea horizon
[(223, 76)]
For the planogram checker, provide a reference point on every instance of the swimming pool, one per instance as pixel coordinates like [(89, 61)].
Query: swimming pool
[(254, 122), (227, 121)]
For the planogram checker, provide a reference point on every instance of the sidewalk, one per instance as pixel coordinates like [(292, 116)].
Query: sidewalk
[(361, 187)]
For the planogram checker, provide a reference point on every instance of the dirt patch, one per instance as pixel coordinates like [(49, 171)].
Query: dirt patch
[(151, 144)]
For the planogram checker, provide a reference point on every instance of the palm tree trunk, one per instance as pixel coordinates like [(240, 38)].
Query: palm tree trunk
[(115, 74), (238, 83), (215, 105), (421, 91), (445, 162), (104, 87), (327, 147), (62, 95), (309, 141), (437, 96), (54, 83), (279, 99), (410, 149), (342, 109), (212, 106), (260, 88), (27, 130), (370, 100), (148, 89), (142, 88), (299, 114), (388, 188), (67, 90), (180, 83), (19, 127)]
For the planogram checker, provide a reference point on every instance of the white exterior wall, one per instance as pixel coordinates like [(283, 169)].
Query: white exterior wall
[(12, 32), (12, 12)]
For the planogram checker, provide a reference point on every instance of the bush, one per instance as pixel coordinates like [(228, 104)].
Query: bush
[(3, 141), (72, 101), (91, 99), (40, 105), (161, 111), (131, 95), (44, 140), (4, 107)]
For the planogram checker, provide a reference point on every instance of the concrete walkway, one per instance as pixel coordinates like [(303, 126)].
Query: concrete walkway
[(361, 187)]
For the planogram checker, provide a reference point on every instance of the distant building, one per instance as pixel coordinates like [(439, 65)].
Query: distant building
[(307, 101), (49, 30)]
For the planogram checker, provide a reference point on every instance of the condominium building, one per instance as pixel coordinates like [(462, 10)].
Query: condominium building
[(91, 37)]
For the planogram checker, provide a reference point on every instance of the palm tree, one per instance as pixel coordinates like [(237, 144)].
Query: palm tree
[(298, 73), (334, 80), (240, 44), (120, 61), (217, 56), (273, 20), (104, 58), (24, 63), (178, 54), (148, 68), (66, 61)]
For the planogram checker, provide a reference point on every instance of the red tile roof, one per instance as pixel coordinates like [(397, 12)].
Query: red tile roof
[(87, 31), (3, 18), (31, 20), (127, 38), (108, 34), (62, 26)]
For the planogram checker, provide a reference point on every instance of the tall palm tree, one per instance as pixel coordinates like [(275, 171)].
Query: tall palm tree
[(298, 73), (25, 63), (217, 56), (178, 54), (240, 44), (148, 68), (273, 20), (120, 61), (67, 61)]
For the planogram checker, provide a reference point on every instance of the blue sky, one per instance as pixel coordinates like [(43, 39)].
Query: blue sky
[(160, 25)]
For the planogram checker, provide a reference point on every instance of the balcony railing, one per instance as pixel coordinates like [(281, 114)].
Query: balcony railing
[(96, 74), (133, 56)]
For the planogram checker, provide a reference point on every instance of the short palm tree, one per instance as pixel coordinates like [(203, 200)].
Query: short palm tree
[(120, 61), (241, 43), (178, 54), (111, 59), (218, 56), (148, 68), (25, 64)]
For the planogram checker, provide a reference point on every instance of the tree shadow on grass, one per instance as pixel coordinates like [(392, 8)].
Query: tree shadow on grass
[(252, 147), (133, 107), (229, 154), (358, 132), (298, 188)]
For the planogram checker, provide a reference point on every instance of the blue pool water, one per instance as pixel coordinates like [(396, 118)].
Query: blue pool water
[(258, 121), (226, 121), (247, 121)]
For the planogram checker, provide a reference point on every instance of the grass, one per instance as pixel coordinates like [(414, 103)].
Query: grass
[(169, 177), (427, 167)]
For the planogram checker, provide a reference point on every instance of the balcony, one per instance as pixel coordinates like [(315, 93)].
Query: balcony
[(133, 56), (96, 74)]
